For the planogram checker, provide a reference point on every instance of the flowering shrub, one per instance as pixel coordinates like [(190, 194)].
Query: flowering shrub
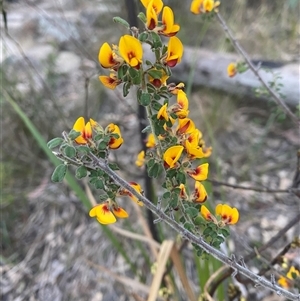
[(176, 152)]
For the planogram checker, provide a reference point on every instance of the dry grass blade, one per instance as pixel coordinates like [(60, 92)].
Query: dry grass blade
[(181, 272), (163, 256), (128, 282)]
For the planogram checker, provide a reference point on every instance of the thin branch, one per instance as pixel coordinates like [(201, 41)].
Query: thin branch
[(266, 190), (99, 163), (243, 53), (226, 272)]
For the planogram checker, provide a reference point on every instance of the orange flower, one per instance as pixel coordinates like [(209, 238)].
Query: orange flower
[(199, 194), (131, 50), (172, 155), (84, 129), (170, 29), (199, 173), (114, 130), (231, 70), (175, 52), (106, 214), (110, 81)]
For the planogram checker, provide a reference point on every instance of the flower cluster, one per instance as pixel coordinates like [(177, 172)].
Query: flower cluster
[(175, 149)]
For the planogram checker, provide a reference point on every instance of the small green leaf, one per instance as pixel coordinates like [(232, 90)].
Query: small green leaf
[(143, 37), (122, 71), (155, 105), (157, 74), (192, 212), (225, 232), (137, 80), (74, 134), (102, 145), (55, 142), (147, 129), (166, 195), (59, 173), (142, 17), (81, 172), (70, 151), (83, 149), (156, 40), (198, 221), (145, 99), (126, 88), (153, 170), (133, 72), (113, 166), (121, 21), (99, 184), (188, 226), (207, 231)]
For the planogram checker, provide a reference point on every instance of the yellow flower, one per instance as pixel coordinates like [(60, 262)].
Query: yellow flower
[(107, 57), (175, 52), (181, 108), (106, 215), (193, 151), (170, 29), (209, 5), (151, 15), (199, 194), (185, 126), (183, 195), (203, 6), (163, 112), (172, 155), (285, 281), (140, 161), (156, 4), (137, 187), (229, 216), (199, 173), (231, 70), (174, 89), (150, 141), (206, 214), (84, 129), (114, 142), (110, 81), (131, 50)]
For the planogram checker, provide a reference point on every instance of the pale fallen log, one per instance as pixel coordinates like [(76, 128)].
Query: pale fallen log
[(209, 69)]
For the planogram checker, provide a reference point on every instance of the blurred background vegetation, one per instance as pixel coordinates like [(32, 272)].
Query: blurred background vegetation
[(50, 71)]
